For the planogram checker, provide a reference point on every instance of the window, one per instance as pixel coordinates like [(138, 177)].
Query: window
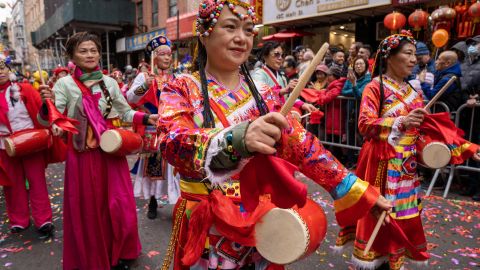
[(154, 12), (140, 14), (172, 8)]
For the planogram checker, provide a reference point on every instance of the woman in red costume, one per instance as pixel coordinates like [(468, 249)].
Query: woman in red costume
[(390, 113), (212, 122), (19, 106)]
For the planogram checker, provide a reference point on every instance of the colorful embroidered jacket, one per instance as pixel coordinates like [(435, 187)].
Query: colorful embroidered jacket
[(388, 158), (190, 148)]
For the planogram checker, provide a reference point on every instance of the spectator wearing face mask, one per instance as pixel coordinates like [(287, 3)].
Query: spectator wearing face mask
[(424, 61), (471, 67)]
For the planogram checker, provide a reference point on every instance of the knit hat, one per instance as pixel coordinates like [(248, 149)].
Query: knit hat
[(323, 68), (473, 40), (422, 49)]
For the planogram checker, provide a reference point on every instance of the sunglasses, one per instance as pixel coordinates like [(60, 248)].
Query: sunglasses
[(278, 55)]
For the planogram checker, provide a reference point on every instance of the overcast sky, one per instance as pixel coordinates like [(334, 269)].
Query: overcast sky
[(5, 12)]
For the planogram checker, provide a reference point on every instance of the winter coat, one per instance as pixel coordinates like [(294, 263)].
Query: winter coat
[(356, 91), (335, 112)]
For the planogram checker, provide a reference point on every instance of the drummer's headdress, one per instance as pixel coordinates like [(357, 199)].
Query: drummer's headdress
[(390, 43), (210, 10), (159, 43)]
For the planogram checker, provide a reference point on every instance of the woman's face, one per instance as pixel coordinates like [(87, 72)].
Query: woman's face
[(275, 58), (402, 63), (229, 44), (164, 59), (4, 72), (86, 56), (320, 75), (360, 66)]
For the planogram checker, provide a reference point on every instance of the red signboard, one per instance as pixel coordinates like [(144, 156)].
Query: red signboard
[(187, 26)]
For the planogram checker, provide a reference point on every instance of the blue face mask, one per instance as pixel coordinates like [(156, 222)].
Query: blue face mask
[(472, 50)]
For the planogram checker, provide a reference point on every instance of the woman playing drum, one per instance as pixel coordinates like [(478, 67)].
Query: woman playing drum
[(213, 121), (99, 212), (390, 112), (19, 106)]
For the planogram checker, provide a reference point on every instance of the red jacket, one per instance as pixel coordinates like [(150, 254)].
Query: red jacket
[(335, 111)]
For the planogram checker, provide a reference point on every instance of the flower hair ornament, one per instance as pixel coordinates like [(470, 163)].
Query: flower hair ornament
[(392, 42), (5, 61), (210, 10)]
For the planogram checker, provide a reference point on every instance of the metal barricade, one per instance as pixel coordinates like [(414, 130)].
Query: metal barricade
[(469, 135)]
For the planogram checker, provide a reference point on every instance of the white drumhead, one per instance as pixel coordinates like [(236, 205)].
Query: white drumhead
[(281, 236), (9, 147), (436, 155), (110, 141)]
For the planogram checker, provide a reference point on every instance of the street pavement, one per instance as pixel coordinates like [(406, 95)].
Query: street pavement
[(452, 229)]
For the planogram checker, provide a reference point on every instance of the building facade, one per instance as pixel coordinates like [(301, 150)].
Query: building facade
[(34, 17), (17, 34)]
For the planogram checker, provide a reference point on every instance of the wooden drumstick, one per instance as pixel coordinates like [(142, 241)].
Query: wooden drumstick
[(375, 232), (304, 78), (152, 62), (440, 93), (39, 68)]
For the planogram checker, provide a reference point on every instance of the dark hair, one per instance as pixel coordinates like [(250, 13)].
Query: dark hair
[(290, 63), (358, 45), (74, 41), (200, 63), (381, 67), (367, 47), (366, 66), (267, 48)]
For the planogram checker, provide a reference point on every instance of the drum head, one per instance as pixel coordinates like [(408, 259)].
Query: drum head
[(436, 155), (110, 141), (9, 147), (282, 237)]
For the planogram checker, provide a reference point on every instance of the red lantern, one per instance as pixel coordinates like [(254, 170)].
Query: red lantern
[(394, 21), (418, 19), (474, 11), (449, 13)]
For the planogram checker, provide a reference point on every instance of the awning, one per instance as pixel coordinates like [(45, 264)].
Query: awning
[(287, 35)]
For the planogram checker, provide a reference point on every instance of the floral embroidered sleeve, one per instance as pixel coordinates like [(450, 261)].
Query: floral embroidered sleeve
[(370, 124), (183, 143), (353, 196)]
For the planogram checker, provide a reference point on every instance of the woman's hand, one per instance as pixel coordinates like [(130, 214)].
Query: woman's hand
[(46, 92), (381, 205), (149, 79), (289, 87), (351, 77), (56, 130), (476, 157), (152, 119), (415, 118), (264, 132), (307, 107)]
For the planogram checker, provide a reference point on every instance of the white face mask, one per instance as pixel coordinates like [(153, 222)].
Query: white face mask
[(472, 50)]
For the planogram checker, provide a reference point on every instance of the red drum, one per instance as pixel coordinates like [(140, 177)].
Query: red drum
[(121, 142), (150, 140), (284, 236), (431, 153), (28, 141)]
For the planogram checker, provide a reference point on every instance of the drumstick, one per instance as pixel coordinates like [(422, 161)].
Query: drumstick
[(304, 78), (374, 233), (305, 115), (39, 69), (440, 93), (152, 61)]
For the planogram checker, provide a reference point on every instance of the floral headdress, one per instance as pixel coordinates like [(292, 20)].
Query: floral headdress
[(210, 10), (392, 42), (5, 61)]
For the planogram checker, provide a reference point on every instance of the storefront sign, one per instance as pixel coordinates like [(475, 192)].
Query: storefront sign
[(139, 42), (187, 26), (288, 10), (407, 2)]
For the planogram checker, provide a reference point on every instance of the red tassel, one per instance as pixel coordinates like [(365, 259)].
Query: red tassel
[(63, 122)]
